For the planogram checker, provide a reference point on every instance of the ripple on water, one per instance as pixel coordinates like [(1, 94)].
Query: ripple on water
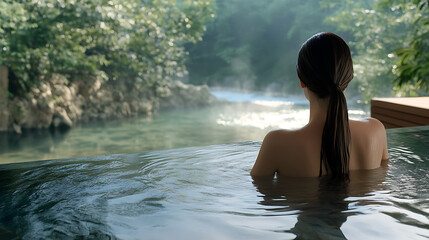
[(206, 192)]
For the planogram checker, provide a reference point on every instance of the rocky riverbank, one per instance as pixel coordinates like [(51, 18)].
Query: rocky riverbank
[(57, 104)]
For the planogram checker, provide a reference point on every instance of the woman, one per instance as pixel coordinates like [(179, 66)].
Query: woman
[(330, 143)]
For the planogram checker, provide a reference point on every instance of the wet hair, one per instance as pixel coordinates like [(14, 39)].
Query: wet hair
[(325, 66)]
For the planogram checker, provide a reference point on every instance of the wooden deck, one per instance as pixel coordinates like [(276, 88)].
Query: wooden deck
[(401, 112)]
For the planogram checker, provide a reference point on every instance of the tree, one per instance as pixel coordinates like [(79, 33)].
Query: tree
[(412, 67), (381, 30), (138, 43), (254, 44)]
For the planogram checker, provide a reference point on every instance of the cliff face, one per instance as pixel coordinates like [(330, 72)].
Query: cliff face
[(4, 113), (58, 104)]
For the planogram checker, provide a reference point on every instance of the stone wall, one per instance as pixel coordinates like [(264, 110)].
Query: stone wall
[(60, 105), (4, 113)]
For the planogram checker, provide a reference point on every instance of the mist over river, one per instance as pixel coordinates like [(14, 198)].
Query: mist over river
[(239, 117)]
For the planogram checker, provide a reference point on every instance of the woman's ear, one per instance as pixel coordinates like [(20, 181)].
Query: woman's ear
[(302, 84)]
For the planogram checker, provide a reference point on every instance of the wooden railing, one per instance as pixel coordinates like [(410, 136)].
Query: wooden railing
[(401, 112)]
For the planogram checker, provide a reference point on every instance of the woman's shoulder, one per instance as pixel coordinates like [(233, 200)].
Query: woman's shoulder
[(281, 135), (369, 134), (277, 146), (282, 141), (368, 125), (289, 142), (278, 133)]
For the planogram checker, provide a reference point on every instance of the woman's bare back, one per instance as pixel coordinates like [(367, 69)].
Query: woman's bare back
[(297, 153), (324, 69)]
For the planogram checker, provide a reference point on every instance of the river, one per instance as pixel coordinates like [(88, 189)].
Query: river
[(240, 117)]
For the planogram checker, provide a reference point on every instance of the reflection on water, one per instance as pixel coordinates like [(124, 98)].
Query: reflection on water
[(207, 193), (267, 119), (246, 117), (322, 205), (172, 129), (234, 96), (267, 112)]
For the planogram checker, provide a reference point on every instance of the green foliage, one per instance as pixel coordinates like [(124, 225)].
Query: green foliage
[(253, 44), (374, 37), (138, 43), (412, 67), (250, 44), (381, 30)]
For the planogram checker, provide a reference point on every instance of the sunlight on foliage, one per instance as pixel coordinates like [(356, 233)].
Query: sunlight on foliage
[(139, 43), (390, 45), (254, 44), (412, 66)]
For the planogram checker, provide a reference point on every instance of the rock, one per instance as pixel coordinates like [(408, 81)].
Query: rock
[(145, 107), (134, 106), (89, 86), (109, 111), (4, 99), (19, 111), (46, 112), (164, 91), (63, 93), (126, 111), (61, 119), (58, 79), (183, 95), (118, 96), (74, 112), (59, 104), (35, 91), (45, 91), (101, 116), (16, 128), (73, 89), (28, 113)]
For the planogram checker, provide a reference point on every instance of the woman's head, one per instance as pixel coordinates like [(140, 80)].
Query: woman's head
[(324, 64), (325, 67)]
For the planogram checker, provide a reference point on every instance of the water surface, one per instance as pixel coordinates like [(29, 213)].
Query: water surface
[(244, 117), (207, 193)]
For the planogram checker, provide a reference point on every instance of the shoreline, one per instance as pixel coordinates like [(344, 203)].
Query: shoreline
[(55, 104)]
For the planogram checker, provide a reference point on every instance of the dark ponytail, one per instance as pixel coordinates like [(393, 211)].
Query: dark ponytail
[(325, 67), (335, 153)]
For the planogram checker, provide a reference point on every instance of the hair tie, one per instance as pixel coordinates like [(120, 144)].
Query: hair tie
[(338, 88), (335, 89)]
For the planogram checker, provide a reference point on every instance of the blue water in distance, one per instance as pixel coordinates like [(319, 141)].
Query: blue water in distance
[(206, 193), (244, 117), (234, 96)]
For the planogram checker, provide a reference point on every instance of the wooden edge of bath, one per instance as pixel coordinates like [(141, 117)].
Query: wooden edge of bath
[(401, 112)]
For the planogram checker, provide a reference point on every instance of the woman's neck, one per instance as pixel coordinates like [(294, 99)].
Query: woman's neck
[(318, 110)]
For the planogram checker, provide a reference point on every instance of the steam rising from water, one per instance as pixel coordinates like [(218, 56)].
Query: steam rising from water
[(266, 112), (245, 117), (264, 120)]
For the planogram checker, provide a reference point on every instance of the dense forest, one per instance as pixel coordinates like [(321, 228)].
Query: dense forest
[(70, 60), (248, 43), (95, 59), (135, 42), (254, 44)]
